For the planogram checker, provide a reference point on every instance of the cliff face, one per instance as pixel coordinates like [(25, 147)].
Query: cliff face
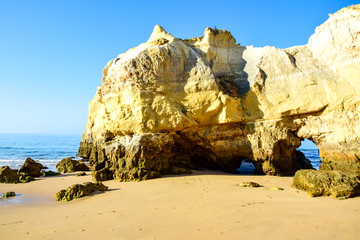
[(171, 105)]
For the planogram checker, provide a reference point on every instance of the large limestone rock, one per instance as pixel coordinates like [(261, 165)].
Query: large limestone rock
[(69, 165), (31, 168), (171, 105), (337, 184), (8, 175)]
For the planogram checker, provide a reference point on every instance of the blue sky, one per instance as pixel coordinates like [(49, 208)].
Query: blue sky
[(52, 52)]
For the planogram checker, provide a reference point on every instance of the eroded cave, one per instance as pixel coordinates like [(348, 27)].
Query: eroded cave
[(246, 167)]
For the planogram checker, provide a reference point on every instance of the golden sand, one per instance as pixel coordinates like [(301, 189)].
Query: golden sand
[(204, 205)]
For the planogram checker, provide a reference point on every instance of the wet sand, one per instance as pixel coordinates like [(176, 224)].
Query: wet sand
[(204, 205)]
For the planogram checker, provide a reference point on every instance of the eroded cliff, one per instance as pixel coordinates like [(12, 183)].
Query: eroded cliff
[(172, 105)]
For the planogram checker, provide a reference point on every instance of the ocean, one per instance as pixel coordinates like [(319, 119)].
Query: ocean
[(311, 152), (49, 149)]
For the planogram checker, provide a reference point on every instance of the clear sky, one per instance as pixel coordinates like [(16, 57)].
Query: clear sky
[(52, 52)]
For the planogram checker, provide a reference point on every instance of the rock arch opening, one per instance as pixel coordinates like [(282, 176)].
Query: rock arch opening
[(246, 167), (311, 152)]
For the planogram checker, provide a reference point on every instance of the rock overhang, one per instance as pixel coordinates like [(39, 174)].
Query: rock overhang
[(221, 102)]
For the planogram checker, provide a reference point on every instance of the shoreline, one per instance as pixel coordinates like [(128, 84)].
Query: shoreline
[(203, 205)]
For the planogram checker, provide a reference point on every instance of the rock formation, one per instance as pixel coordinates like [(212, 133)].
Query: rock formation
[(49, 173), (9, 194), (8, 175), (249, 184), (337, 184), (79, 190), (31, 168), (69, 165), (172, 105)]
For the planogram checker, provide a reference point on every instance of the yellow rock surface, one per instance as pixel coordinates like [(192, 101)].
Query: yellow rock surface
[(272, 98)]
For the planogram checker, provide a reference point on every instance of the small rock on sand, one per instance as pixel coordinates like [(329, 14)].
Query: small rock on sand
[(249, 184), (9, 194)]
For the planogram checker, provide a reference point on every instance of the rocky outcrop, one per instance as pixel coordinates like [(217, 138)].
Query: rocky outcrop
[(8, 175), (337, 184), (49, 173), (31, 168), (172, 105), (79, 190), (26, 179), (69, 165)]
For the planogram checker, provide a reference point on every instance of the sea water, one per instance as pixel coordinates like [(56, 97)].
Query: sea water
[(311, 152), (49, 149), (309, 149)]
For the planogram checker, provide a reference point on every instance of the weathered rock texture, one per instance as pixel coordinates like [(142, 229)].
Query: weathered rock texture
[(337, 184), (31, 168), (49, 173), (171, 105), (9, 194), (69, 165), (79, 190), (8, 175)]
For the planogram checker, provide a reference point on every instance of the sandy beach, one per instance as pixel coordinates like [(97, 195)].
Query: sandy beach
[(204, 205)]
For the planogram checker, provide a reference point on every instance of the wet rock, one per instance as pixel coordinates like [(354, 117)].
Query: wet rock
[(79, 190), (336, 184), (26, 179), (81, 174), (49, 173), (69, 165), (31, 168), (7, 175), (9, 194), (249, 184)]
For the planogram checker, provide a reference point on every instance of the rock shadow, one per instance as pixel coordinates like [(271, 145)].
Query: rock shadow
[(233, 82)]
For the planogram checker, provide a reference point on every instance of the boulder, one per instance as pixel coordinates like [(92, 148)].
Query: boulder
[(69, 165), (79, 190), (31, 168), (336, 184), (49, 173), (26, 179), (172, 105), (7, 175), (249, 184), (9, 194), (81, 174)]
